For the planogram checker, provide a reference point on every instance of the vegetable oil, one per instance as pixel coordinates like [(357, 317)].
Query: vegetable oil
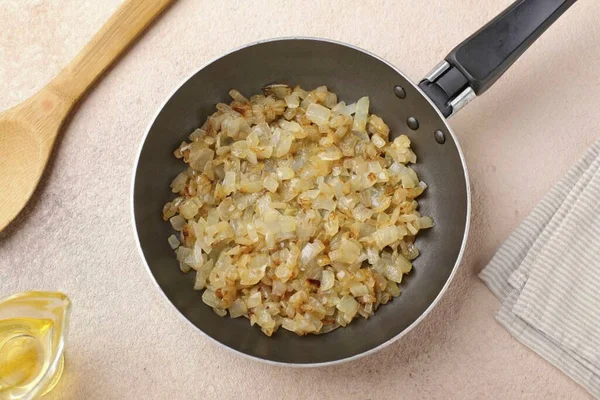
[(32, 330)]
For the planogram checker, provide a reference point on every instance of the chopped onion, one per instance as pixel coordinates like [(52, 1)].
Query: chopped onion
[(280, 91), (324, 203), (285, 173), (310, 251), (362, 111), (287, 224), (188, 209), (362, 213), (292, 100), (347, 253), (255, 271), (348, 306), (359, 289), (295, 210), (298, 298), (318, 114), (254, 300), (350, 109), (327, 281), (331, 153), (425, 222), (199, 158), (210, 298), (237, 96), (330, 100), (339, 107), (251, 187), (177, 222), (202, 275), (271, 183), (174, 242), (238, 308), (229, 183), (392, 288), (179, 183), (378, 141), (378, 127), (279, 288), (386, 236), (402, 263)]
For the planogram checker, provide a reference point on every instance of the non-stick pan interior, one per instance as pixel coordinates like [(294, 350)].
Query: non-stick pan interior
[(351, 73)]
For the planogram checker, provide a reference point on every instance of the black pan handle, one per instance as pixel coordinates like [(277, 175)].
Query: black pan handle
[(475, 64)]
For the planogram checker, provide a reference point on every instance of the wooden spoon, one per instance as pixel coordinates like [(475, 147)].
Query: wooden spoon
[(28, 131)]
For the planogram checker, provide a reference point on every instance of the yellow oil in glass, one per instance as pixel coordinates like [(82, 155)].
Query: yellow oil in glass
[(25, 353), (31, 359)]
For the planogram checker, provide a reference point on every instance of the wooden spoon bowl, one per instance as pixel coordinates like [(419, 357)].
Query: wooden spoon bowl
[(28, 131), (27, 135)]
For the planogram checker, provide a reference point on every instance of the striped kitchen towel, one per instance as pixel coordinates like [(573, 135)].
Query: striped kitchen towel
[(547, 275)]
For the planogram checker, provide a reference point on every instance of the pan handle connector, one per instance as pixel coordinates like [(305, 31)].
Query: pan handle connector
[(475, 64)]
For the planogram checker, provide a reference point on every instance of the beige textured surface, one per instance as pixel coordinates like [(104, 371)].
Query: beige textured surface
[(127, 343)]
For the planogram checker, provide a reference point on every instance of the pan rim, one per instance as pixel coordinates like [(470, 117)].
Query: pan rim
[(341, 360)]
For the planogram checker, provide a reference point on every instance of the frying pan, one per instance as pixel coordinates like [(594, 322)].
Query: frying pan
[(419, 110)]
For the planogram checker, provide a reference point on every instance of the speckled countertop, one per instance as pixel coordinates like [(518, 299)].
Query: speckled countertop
[(127, 343)]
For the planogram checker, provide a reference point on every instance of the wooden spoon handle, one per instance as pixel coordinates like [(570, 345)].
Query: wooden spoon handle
[(120, 31)]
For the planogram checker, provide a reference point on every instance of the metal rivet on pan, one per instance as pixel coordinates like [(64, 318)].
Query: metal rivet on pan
[(439, 136), (412, 123), (400, 92)]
